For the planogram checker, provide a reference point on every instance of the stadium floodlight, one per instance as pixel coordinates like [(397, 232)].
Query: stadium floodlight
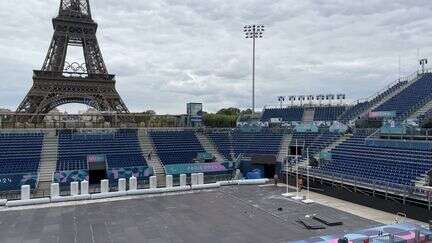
[(253, 32), (423, 62), (281, 99), (310, 98), (292, 99)]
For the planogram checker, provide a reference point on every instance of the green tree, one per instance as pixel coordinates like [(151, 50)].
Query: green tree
[(229, 111)]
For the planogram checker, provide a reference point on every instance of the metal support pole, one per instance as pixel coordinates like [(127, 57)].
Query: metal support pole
[(386, 191), (253, 75), (297, 197), (429, 200), (417, 236)]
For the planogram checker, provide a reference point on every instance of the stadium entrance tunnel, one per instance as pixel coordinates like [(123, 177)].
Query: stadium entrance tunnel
[(95, 176), (269, 171), (97, 166), (260, 166)]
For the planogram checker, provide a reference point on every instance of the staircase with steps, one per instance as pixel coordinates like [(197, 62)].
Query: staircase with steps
[(48, 163), (308, 115), (421, 180), (303, 162), (284, 147), (337, 142), (147, 147), (232, 150), (209, 146), (421, 111), (389, 96)]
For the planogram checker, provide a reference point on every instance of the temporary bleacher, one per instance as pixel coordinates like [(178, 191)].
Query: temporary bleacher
[(411, 98), (176, 147), (314, 142), (377, 165), (354, 111), (246, 143), (20, 152), (330, 113), (223, 142), (361, 107), (256, 143), (298, 113), (121, 149), (288, 114)]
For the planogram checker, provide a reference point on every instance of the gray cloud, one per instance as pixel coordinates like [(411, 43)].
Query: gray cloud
[(169, 52)]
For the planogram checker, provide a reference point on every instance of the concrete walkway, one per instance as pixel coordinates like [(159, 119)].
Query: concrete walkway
[(349, 207)]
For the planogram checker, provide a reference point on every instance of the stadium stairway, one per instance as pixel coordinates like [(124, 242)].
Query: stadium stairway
[(209, 146), (308, 115), (329, 147), (232, 151), (48, 161), (284, 147), (337, 142), (427, 107), (421, 180), (147, 147)]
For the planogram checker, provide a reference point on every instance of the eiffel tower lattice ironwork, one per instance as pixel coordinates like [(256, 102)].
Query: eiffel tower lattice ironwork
[(60, 82)]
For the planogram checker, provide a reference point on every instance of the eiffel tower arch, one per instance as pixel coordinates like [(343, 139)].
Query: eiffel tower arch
[(60, 82)]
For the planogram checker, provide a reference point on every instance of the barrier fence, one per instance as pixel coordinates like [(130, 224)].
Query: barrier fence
[(403, 193), (113, 186)]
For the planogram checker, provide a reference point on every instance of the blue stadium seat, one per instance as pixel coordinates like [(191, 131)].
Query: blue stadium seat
[(411, 98), (378, 164), (361, 107), (248, 144), (20, 152), (176, 147), (286, 114), (121, 148), (330, 113)]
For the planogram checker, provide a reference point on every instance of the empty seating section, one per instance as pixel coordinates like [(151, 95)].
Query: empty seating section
[(176, 147), (361, 107), (353, 158), (425, 117), (354, 111), (286, 114), (315, 142), (330, 113), (246, 143), (20, 152), (304, 139), (121, 148), (256, 143), (223, 142), (411, 98), (321, 113), (322, 141)]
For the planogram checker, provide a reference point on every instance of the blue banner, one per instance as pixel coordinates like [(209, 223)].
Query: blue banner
[(10, 182), (139, 172)]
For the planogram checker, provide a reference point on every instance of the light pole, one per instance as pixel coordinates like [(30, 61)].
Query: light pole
[(423, 62), (253, 32)]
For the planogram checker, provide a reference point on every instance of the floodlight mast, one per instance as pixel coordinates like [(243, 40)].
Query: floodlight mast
[(253, 32)]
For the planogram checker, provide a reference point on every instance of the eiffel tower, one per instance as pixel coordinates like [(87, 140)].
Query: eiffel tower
[(60, 82)]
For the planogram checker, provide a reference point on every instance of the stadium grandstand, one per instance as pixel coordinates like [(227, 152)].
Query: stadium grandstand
[(317, 168)]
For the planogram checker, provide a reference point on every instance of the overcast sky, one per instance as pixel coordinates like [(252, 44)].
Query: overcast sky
[(166, 53)]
